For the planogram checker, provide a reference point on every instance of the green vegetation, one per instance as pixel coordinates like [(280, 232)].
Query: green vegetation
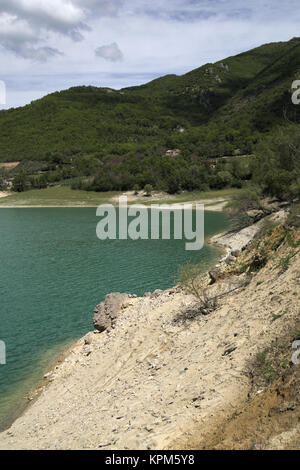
[(285, 262), (262, 248), (294, 215), (148, 190), (240, 206), (61, 195), (225, 120), (277, 165), (193, 280), (271, 363), (268, 369), (57, 196), (277, 316)]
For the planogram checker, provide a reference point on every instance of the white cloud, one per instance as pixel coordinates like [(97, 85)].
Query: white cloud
[(102, 7), (153, 38), (110, 52), (35, 19), (16, 36)]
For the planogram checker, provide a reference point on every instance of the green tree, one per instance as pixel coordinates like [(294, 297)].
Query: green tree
[(136, 189), (148, 190), (20, 183)]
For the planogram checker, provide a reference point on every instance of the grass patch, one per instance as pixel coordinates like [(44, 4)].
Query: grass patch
[(294, 216), (65, 196), (276, 317), (271, 363), (285, 262), (56, 196)]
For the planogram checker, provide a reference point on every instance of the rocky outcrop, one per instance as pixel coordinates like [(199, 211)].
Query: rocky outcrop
[(107, 312)]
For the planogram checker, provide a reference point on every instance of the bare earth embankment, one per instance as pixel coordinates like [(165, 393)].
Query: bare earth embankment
[(166, 377)]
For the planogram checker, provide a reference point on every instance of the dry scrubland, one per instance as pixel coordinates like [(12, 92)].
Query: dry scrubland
[(166, 376)]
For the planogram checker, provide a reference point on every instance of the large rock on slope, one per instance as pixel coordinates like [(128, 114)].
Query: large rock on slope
[(106, 313)]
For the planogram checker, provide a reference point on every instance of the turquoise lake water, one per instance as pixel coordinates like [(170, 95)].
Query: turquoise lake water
[(54, 271)]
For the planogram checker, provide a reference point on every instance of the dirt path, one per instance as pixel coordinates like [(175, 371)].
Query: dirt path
[(9, 165)]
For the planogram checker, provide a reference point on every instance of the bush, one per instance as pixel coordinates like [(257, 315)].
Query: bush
[(192, 279), (148, 189), (242, 203), (294, 216), (277, 166), (136, 189)]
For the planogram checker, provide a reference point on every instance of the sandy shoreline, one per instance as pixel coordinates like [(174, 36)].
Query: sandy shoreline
[(215, 204), (215, 207), (35, 392)]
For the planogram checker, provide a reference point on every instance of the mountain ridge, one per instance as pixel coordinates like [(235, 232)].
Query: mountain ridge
[(221, 109)]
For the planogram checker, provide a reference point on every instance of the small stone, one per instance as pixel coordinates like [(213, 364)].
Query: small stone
[(149, 429), (88, 339), (229, 351), (157, 293), (235, 253), (215, 274)]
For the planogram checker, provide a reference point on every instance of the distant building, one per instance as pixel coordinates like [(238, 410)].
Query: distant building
[(173, 153)]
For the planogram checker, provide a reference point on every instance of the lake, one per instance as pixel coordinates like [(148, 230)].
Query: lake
[(54, 271)]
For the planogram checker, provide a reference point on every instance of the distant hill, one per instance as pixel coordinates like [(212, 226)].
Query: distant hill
[(217, 110)]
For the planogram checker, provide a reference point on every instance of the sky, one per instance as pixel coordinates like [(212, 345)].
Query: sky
[(47, 46)]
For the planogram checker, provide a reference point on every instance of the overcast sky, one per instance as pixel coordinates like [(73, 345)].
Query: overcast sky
[(49, 45)]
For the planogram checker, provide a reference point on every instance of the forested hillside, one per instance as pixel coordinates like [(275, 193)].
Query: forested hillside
[(105, 139)]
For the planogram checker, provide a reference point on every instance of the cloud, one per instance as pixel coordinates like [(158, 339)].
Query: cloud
[(110, 52), (58, 15), (43, 20), (158, 36), (101, 7), (39, 54), (195, 10), (31, 21), (16, 36)]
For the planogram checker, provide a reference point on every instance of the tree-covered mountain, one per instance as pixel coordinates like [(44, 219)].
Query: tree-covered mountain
[(108, 139)]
